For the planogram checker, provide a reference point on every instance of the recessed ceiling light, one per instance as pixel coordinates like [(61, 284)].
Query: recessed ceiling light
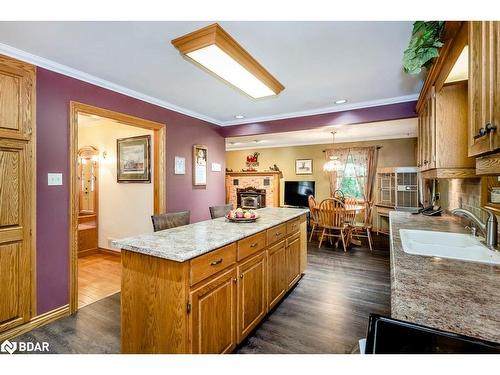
[(239, 117), (214, 49), (340, 101)]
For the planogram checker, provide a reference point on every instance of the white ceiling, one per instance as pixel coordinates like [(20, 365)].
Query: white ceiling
[(395, 129), (317, 62)]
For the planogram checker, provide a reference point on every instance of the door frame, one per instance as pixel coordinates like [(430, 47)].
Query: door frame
[(159, 177)]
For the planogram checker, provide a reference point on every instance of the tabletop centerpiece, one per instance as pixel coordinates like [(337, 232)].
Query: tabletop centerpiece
[(242, 216)]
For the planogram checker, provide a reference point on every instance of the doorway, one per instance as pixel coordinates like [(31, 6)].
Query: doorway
[(96, 193)]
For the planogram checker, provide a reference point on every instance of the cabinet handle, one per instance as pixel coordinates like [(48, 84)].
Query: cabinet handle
[(235, 279), (490, 127), (425, 162), (254, 244), (277, 234), (216, 262), (482, 132), (241, 276)]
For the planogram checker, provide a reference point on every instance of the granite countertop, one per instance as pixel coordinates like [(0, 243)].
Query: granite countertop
[(452, 295), (189, 241)]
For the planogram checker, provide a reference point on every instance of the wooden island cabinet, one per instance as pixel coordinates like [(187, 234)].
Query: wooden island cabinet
[(210, 303)]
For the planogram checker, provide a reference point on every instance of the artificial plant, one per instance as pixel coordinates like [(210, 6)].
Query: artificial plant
[(424, 46)]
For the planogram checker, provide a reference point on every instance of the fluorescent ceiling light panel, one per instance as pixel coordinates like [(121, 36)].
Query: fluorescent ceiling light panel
[(460, 71), (220, 63), (215, 50)]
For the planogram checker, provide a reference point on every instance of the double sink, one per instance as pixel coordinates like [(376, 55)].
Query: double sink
[(464, 247)]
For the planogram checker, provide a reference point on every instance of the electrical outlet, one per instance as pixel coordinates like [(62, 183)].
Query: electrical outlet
[(54, 179)]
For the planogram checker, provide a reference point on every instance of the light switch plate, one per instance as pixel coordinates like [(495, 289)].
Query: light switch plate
[(216, 167), (54, 179)]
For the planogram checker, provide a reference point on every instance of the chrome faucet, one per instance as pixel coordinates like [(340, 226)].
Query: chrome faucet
[(490, 228)]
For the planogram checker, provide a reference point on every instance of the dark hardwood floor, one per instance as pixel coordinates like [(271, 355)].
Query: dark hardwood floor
[(327, 312)]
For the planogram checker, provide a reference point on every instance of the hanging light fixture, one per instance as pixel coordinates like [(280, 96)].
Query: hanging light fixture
[(333, 164)]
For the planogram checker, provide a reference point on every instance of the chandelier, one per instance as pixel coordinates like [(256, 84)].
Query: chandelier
[(333, 164)]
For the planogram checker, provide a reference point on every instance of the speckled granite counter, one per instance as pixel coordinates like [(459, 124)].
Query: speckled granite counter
[(189, 241), (452, 295)]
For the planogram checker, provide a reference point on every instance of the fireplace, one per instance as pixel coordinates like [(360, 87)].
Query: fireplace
[(251, 198)]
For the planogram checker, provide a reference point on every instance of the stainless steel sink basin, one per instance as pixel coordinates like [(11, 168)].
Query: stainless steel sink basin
[(447, 245)]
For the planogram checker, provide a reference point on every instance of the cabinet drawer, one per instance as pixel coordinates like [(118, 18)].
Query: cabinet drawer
[(209, 264), (292, 238), (276, 233), (293, 226), (251, 245)]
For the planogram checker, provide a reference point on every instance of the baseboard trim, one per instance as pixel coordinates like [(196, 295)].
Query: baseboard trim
[(35, 322), (109, 251)]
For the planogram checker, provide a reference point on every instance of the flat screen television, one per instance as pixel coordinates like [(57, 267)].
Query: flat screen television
[(296, 192)]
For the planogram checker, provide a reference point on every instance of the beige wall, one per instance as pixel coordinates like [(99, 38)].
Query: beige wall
[(124, 208), (394, 153)]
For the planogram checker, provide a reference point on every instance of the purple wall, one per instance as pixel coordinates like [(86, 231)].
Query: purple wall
[(355, 116), (54, 93)]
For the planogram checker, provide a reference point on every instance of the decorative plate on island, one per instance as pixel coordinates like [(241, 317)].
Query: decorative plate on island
[(242, 216)]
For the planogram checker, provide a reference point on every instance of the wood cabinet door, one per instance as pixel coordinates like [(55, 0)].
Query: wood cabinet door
[(293, 262), (426, 133), (252, 302), (277, 274), (213, 315), (16, 191), (483, 86)]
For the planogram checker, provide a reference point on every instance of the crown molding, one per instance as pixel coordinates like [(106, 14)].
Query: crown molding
[(321, 111), (82, 76)]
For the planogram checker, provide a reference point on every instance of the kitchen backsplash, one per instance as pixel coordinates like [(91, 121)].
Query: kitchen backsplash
[(464, 193)]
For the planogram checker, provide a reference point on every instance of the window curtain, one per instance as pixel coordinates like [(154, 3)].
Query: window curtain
[(339, 154), (365, 166)]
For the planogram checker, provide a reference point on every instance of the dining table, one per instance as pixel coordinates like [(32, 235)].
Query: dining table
[(357, 208)]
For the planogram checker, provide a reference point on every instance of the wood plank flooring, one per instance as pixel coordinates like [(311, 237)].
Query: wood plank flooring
[(326, 313), (99, 276)]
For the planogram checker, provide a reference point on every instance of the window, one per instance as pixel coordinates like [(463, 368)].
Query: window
[(350, 178)]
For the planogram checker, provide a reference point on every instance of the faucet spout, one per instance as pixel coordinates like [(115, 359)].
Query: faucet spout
[(490, 228)]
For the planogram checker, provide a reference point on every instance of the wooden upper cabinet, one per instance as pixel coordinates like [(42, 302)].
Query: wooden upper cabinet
[(442, 133), (17, 83), (17, 194), (213, 315), (427, 133), (484, 87), (252, 301)]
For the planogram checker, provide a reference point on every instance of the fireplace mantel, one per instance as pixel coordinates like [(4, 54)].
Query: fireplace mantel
[(279, 174), (268, 180)]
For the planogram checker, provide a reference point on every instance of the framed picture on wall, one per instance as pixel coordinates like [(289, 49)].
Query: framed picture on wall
[(200, 165), (303, 166), (180, 165), (133, 159)]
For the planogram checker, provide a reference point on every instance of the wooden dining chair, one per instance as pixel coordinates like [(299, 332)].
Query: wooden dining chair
[(331, 215), (364, 229), (313, 209), (350, 205), (220, 211), (170, 220)]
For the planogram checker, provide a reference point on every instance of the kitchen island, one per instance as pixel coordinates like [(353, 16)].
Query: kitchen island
[(452, 295), (203, 287)]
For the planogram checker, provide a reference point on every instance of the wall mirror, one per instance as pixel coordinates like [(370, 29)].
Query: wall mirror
[(88, 167)]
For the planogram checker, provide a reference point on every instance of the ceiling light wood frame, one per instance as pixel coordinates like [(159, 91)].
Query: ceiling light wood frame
[(215, 35)]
